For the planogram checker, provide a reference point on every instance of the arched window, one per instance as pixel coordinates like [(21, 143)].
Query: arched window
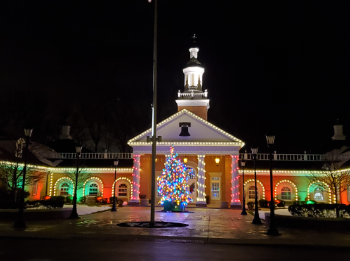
[(123, 190), (318, 193), (93, 189), (64, 190), (251, 192), (286, 193)]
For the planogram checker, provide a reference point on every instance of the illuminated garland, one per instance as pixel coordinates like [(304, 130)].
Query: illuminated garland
[(172, 184), (122, 178), (234, 179), (55, 187), (329, 191), (201, 178), (136, 178), (93, 178), (51, 181), (290, 182), (257, 181)]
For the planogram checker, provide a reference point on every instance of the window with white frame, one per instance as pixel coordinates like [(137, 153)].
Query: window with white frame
[(64, 189), (286, 193), (251, 192), (123, 190), (319, 193), (93, 189)]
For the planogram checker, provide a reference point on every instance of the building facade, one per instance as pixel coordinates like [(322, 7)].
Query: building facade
[(213, 154)]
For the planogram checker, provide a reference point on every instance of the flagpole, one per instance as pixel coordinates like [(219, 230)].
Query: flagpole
[(154, 110)]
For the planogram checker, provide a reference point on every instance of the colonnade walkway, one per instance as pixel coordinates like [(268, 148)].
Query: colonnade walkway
[(205, 225)]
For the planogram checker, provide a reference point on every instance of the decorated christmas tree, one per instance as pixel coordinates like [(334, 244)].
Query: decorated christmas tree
[(172, 184)]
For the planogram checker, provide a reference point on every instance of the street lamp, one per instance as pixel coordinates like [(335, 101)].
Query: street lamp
[(74, 214), (244, 212), (116, 162), (272, 230), (256, 219), (20, 223)]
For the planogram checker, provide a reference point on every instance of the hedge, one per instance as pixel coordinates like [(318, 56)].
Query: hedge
[(319, 210)]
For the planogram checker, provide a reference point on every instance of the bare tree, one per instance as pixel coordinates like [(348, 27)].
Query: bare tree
[(83, 175), (337, 180), (12, 176)]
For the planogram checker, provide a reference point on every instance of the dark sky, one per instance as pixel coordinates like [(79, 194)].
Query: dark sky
[(280, 65)]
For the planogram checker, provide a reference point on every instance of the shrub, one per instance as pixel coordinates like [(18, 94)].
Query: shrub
[(280, 203), (263, 203), (250, 205), (118, 202), (68, 200), (53, 202), (82, 199), (318, 210)]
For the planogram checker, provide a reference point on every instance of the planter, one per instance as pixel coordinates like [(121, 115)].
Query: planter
[(224, 204)]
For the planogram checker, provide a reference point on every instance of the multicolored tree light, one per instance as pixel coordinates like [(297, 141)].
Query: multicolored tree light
[(172, 184)]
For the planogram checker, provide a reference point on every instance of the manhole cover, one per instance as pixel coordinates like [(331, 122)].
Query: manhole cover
[(148, 224)]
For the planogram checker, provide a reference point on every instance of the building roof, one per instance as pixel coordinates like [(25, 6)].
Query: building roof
[(193, 62)]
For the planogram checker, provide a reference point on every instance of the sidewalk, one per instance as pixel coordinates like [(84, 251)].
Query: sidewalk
[(224, 226)]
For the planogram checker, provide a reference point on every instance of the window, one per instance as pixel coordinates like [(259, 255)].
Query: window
[(93, 189), (64, 191), (251, 192), (35, 188), (123, 190), (286, 193), (318, 193), (215, 188)]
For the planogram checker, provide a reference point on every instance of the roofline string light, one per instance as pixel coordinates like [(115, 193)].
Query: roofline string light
[(93, 178), (290, 182), (258, 181), (183, 111)]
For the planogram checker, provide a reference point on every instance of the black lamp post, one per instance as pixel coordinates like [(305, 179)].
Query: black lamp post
[(20, 223), (272, 230), (244, 212), (256, 219), (114, 208), (74, 214)]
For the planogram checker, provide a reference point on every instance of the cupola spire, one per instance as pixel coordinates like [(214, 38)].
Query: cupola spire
[(193, 98)]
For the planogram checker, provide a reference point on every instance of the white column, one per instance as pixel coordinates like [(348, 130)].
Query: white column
[(135, 198), (235, 201), (201, 182)]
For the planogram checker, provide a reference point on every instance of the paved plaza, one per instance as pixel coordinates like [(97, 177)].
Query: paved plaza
[(205, 225)]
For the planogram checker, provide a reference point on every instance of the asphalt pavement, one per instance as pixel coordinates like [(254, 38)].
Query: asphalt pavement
[(18, 249)]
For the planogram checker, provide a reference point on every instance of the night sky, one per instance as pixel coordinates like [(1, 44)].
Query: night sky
[(280, 65)]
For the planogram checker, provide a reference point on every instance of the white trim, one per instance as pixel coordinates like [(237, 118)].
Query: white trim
[(237, 142), (188, 102)]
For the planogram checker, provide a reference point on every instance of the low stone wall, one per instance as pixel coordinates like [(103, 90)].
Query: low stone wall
[(35, 214), (310, 222)]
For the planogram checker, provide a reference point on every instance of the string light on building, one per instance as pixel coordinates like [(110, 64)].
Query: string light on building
[(290, 182), (258, 181), (123, 178), (93, 178)]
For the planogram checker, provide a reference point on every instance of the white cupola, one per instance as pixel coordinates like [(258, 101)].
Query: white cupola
[(193, 98)]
